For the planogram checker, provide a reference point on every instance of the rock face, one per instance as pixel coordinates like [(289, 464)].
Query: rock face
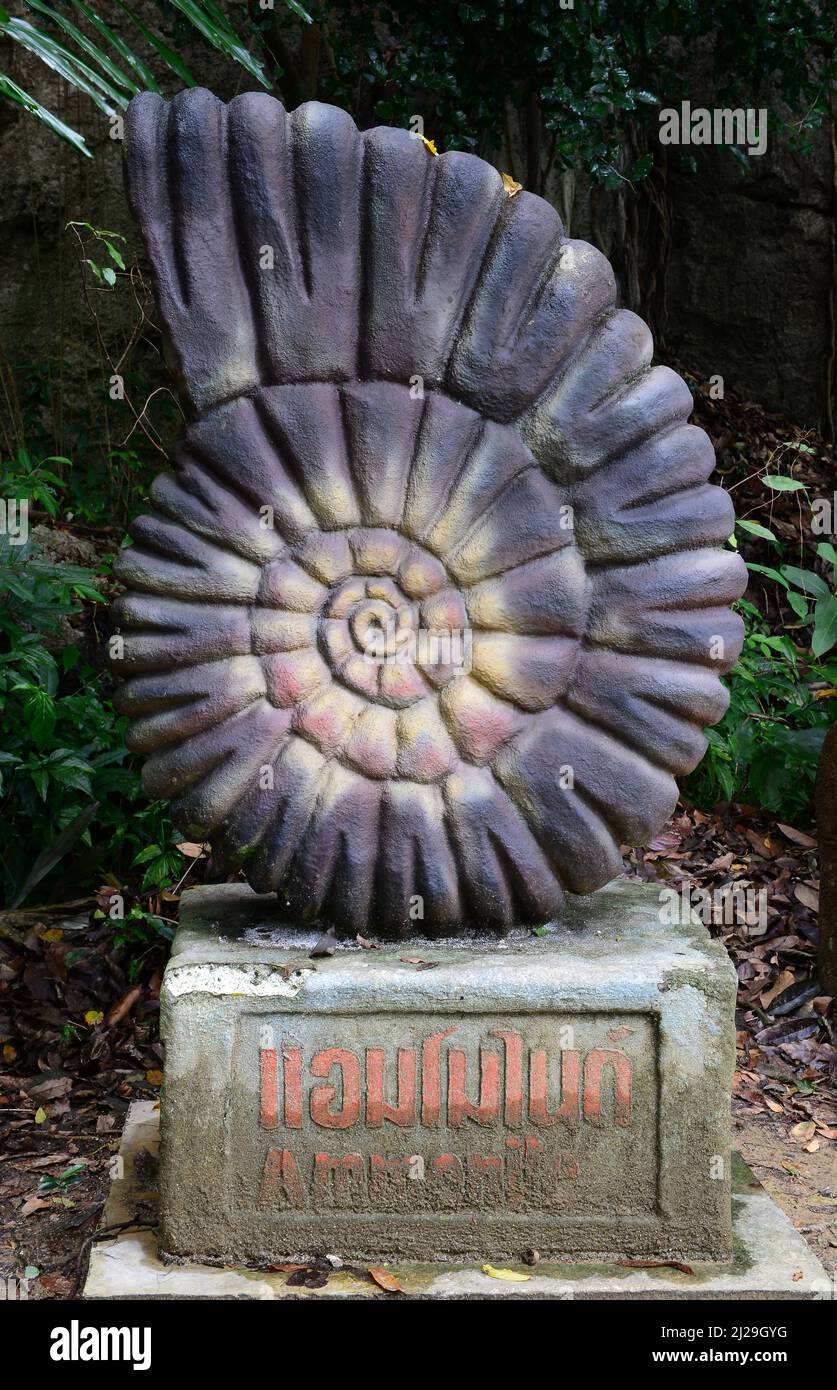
[(432, 606)]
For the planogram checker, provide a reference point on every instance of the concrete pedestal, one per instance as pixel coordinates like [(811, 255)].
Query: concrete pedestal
[(567, 1092), (770, 1259)]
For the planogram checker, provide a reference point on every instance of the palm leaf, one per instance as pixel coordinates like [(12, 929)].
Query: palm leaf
[(58, 57), (218, 31), (170, 58), (143, 72), (10, 89), (116, 75), (80, 60)]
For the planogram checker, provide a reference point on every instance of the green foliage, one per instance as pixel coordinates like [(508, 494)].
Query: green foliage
[(592, 77), (138, 928), (61, 1181), (766, 748), (70, 50), (104, 274), (62, 742)]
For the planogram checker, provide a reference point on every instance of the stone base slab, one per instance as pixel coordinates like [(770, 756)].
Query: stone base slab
[(432, 1100), (771, 1260)]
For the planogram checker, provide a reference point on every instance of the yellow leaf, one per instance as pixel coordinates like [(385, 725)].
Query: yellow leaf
[(40, 1115), (510, 1275), (428, 144), (825, 694), (93, 1018), (154, 1078), (54, 934), (510, 186), (9, 1052)]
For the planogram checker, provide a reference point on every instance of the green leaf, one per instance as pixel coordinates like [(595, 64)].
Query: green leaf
[(219, 32), (57, 56), (86, 45), (140, 68), (798, 446), (296, 8), (826, 551), (55, 851), (806, 580), (756, 529), (780, 483), (150, 852), (825, 625), (643, 166), (798, 603), (10, 89), (771, 573), (169, 57), (40, 712)]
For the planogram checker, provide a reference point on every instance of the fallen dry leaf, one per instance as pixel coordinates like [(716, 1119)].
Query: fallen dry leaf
[(32, 1205), (798, 836), (510, 185), (809, 897), (780, 984), (326, 946), (56, 1285), (123, 1006), (191, 851), (154, 1077), (512, 1276), (804, 1131), (384, 1279)]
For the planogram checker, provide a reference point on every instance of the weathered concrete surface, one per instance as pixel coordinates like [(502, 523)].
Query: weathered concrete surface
[(771, 1260), (457, 1098)]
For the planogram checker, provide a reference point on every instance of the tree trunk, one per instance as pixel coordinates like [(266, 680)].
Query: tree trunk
[(826, 804)]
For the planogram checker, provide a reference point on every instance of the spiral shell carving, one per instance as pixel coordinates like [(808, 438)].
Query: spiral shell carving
[(431, 607)]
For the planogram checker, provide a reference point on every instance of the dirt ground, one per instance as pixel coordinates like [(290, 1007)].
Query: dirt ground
[(803, 1184), (79, 1042)]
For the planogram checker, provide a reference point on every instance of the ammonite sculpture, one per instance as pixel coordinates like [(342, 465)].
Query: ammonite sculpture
[(432, 606)]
